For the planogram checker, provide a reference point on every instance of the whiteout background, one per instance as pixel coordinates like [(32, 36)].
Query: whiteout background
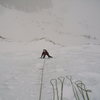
[(68, 29)]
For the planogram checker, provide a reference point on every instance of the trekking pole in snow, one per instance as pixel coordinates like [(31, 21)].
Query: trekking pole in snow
[(41, 84)]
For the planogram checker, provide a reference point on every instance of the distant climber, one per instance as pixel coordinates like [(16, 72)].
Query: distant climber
[(45, 53)]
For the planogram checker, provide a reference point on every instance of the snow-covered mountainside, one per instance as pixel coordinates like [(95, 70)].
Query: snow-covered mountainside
[(68, 29), (20, 70), (64, 22)]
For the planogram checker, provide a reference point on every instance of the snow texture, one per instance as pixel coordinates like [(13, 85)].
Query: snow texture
[(68, 29)]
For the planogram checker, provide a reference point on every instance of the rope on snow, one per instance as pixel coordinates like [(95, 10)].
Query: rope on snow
[(76, 95), (54, 83), (82, 88), (41, 84), (61, 79), (55, 88)]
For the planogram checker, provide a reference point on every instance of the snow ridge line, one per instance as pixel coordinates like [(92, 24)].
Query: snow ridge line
[(48, 40)]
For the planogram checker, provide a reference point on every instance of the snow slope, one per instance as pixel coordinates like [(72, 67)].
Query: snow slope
[(68, 29), (20, 70), (65, 22)]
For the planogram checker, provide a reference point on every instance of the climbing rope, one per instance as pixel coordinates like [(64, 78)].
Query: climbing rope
[(82, 89), (61, 79), (73, 88), (54, 84), (41, 82), (78, 87), (55, 88)]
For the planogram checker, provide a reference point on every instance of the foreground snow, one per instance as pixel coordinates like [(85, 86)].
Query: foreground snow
[(20, 69)]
